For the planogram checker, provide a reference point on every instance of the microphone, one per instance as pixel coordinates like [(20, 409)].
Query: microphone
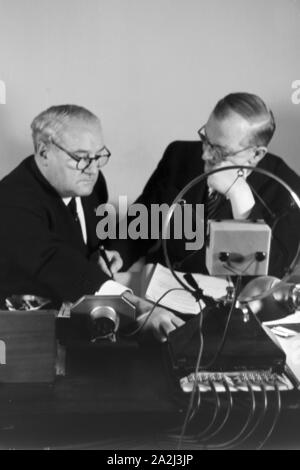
[(97, 317), (280, 302), (104, 323)]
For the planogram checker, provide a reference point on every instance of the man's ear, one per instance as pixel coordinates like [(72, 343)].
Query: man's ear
[(258, 155), (42, 153)]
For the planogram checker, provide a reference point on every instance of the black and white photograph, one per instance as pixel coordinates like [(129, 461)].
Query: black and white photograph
[(149, 227)]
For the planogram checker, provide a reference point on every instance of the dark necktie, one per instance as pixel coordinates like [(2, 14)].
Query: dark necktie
[(213, 202), (73, 209)]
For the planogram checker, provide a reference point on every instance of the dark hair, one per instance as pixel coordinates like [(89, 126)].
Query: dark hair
[(252, 108)]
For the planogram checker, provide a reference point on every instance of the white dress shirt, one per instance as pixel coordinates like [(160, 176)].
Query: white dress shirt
[(109, 287)]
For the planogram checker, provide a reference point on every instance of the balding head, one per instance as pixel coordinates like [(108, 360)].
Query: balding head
[(69, 149), (52, 123)]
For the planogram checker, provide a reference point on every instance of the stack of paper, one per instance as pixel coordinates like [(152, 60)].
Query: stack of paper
[(290, 319), (162, 280), (289, 339)]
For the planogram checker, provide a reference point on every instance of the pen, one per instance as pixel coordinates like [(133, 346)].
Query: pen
[(107, 262)]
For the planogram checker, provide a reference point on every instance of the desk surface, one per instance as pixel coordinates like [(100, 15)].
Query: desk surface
[(115, 397), (118, 396)]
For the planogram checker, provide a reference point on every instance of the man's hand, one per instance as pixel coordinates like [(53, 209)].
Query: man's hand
[(113, 259), (235, 187), (224, 181), (161, 322)]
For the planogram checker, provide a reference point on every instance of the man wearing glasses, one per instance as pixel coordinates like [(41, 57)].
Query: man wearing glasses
[(48, 241), (237, 132)]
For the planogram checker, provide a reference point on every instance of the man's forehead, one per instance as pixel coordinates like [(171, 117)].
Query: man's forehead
[(79, 131)]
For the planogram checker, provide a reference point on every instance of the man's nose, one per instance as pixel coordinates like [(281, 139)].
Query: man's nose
[(207, 154), (92, 168)]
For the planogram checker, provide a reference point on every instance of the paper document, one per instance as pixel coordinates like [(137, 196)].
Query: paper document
[(290, 319), (291, 347), (162, 280), (288, 338)]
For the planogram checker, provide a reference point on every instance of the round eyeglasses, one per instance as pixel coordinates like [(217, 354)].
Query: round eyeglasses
[(218, 152), (83, 163)]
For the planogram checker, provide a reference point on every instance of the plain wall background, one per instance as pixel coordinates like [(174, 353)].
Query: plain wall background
[(151, 69)]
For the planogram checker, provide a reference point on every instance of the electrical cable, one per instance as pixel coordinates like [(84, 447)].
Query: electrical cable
[(263, 203), (276, 417), (197, 407), (239, 273), (227, 414), (217, 408), (203, 436), (216, 411), (259, 419), (284, 249), (178, 264), (214, 416), (191, 413), (157, 304), (275, 222), (250, 416), (236, 179), (193, 439), (187, 417), (223, 340)]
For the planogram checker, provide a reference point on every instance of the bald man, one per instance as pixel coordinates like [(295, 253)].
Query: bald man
[(48, 241)]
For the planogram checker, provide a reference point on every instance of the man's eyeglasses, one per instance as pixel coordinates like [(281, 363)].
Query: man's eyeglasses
[(218, 152), (83, 163)]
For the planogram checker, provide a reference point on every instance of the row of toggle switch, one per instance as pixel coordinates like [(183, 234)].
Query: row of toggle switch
[(237, 381)]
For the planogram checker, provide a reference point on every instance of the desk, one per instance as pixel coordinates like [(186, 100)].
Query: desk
[(116, 396), (113, 397)]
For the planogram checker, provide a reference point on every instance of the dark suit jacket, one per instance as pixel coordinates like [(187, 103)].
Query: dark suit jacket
[(180, 164), (40, 250)]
